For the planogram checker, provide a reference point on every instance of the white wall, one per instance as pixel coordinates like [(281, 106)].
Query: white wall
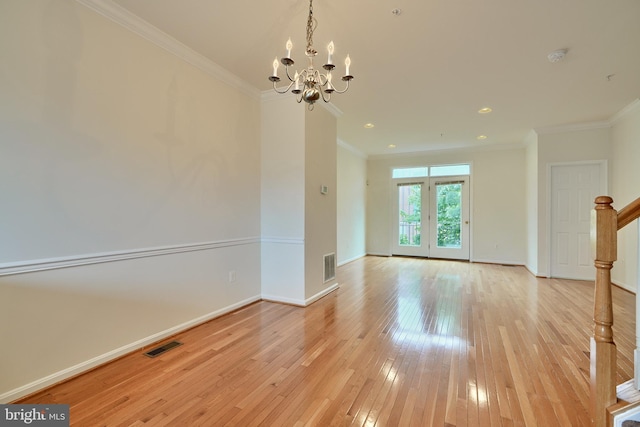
[(351, 204), (115, 149), (378, 200), (531, 143), (499, 206), (298, 222), (498, 201), (625, 136), (283, 199), (564, 147), (320, 209)]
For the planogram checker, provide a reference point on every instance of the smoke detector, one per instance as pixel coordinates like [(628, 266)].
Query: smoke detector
[(557, 55)]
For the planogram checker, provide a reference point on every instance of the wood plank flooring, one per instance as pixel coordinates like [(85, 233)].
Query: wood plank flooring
[(402, 342)]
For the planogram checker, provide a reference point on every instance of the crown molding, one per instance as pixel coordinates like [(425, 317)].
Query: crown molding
[(591, 125), (625, 111), (573, 127), (353, 149), (464, 150), (335, 111), (137, 25)]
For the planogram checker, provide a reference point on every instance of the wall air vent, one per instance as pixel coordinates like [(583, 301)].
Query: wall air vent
[(329, 267), (162, 349)]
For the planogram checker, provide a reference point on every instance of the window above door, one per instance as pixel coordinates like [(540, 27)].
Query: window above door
[(425, 171)]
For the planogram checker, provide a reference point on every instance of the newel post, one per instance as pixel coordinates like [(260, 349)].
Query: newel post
[(604, 229)]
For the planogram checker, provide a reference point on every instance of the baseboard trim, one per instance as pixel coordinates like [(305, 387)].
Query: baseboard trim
[(83, 367), (300, 302), (321, 294), (623, 286), (283, 300), (347, 261), (531, 270), (497, 261), (378, 254)]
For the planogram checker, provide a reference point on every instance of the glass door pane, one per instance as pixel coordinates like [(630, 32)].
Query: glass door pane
[(449, 218), (409, 214)]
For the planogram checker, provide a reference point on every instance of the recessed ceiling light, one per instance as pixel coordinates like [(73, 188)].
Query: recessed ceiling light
[(391, 146), (480, 137), (369, 125), (485, 110)]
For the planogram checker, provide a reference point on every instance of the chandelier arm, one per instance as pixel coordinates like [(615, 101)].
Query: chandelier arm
[(291, 79), (343, 90), (282, 91), (326, 96)]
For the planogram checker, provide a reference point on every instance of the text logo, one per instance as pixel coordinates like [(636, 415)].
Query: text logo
[(34, 415)]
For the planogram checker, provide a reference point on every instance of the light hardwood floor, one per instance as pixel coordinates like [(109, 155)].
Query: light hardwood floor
[(402, 342)]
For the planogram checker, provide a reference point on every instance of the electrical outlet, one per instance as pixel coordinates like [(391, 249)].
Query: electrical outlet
[(232, 275)]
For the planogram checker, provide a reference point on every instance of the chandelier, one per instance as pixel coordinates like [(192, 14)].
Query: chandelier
[(310, 85)]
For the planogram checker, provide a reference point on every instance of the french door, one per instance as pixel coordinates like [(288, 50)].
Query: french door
[(410, 216), (449, 217), (431, 218)]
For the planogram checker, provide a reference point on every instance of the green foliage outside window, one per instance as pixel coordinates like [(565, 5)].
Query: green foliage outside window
[(448, 201), (413, 217)]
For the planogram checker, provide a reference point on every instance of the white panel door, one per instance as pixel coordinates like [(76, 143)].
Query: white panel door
[(573, 190)]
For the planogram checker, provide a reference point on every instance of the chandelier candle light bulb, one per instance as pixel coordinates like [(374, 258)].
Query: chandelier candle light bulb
[(275, 67), (347, 64), (289, 46), (330, 49)]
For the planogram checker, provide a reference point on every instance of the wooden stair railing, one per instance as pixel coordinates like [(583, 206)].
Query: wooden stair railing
[(604, 236)]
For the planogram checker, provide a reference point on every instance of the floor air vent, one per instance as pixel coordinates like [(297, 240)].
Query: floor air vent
[(329, 267), (162, 349)]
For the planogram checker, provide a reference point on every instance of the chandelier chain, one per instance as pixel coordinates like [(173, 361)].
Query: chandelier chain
[(311, 26)]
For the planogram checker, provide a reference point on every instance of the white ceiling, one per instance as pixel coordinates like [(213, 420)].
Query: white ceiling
[(421, 77)]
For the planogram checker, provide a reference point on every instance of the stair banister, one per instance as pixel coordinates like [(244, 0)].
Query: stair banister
[(603, 349), (604, 236), (629, 213)]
